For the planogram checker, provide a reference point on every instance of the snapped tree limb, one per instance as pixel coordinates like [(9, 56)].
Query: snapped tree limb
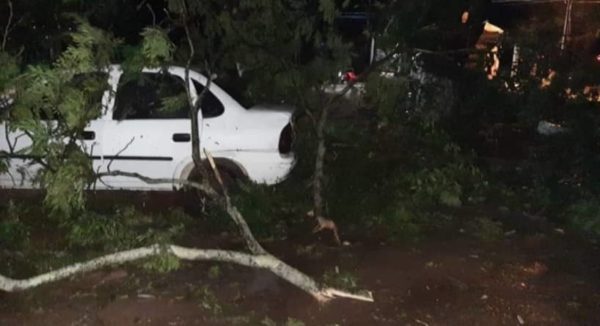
[(258, 258), (266, 261)]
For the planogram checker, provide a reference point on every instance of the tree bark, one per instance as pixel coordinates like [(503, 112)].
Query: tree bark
[(267, 262), (233, 212), (319, 163), (321, 124)]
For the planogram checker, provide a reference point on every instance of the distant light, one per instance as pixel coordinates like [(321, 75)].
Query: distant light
[(464, 18), (598, 58)]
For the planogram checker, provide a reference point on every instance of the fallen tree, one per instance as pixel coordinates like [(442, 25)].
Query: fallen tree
[(265, 261), (258, 258), (156, 40)]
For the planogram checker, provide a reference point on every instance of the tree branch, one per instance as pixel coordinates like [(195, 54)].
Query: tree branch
[(182, 182), (259, 258), (233, 212), (7, 28), (119, 153), (267, 262)]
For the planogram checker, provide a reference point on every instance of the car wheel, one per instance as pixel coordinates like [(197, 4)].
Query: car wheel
[(230, 174)]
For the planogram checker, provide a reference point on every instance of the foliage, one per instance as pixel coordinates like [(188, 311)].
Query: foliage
[(71, 176), (401, 223), (584, 216), (289, 322), (288, 63), (412, 147), (127, 229), (214, 272), (409, 168), (208, 300), (383, 196), (163, 263), (340, 279), (485, 229), (293, 322), (45, 93), (157, 48), (55, 103), (388, 96), (9, 68), (13, 232), (536, 173)]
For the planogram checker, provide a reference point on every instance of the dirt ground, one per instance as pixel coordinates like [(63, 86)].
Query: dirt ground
[(535, 279)]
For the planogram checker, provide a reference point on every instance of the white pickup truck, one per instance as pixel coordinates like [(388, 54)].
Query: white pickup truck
[(136, 134)]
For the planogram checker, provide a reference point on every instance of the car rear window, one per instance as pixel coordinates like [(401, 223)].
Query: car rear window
[(211, 106)]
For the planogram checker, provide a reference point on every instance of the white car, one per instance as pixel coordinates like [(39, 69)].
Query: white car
[(137, 134)]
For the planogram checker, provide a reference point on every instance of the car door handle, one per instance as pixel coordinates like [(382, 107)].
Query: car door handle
[(88, 135), (181, 138)]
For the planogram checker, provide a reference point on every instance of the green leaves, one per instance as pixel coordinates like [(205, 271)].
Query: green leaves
[(157, 49), (66, 181), (328, 9), (584, 216), (174, 103), (91, 50), (9, 69), (74, 100), (53, 104)]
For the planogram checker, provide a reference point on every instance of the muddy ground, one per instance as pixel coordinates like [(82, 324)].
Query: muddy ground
[(533, 278)]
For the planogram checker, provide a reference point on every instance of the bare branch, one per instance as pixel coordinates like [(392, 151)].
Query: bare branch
[(139, 6), (182, 182), (119, 153), (8, 25), (11, 146), (152, 13)]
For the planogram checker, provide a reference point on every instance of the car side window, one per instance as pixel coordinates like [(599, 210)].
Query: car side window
[(211, 106), (151, 96)]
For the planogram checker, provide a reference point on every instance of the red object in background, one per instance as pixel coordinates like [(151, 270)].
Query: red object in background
[(350, 76), (598, 58)]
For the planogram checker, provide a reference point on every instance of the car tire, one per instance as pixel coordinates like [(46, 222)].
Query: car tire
[(231, 175)]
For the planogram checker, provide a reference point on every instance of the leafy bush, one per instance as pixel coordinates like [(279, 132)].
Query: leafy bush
[(399, 223), (584, 216), (388, 181), (163, 263), (13, 232), (126, 229), (485, 229)]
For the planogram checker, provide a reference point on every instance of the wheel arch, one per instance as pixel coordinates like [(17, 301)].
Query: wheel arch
[(186, 167)]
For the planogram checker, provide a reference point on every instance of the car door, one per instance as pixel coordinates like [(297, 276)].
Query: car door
[(149, 132), (91, 140)]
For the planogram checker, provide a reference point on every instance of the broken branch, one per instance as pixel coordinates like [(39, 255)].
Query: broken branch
[(267, 262), (233, 212)]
